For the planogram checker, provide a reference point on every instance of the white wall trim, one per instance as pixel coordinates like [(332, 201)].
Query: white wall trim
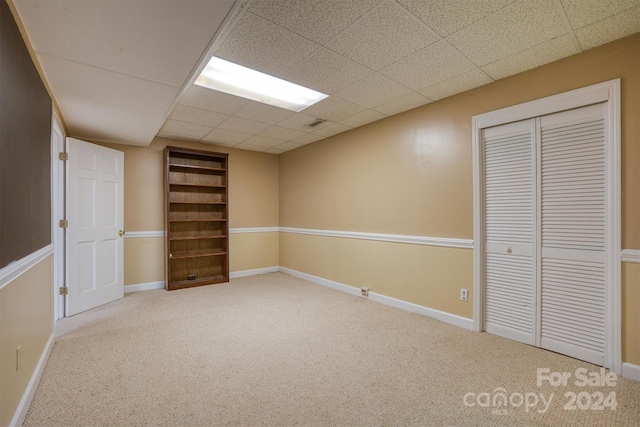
[(631, 371), (144, 286), (254, 230), (442, 316), (27, 397), (630, 255), (17, 268), (254, 272), (394, 238), (143, 234), (609, 92)]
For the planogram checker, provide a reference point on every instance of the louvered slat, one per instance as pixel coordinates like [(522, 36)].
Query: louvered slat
[(573, 221), (508, 181)]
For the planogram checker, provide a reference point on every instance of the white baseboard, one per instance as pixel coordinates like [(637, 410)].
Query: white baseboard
[(27, 397), (442, 316), (254, 272), (144, 287), (631, 371), (321, 281)]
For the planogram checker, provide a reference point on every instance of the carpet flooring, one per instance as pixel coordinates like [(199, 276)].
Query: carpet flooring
[(274, 350)]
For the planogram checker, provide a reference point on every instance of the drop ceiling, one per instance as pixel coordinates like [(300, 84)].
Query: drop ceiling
[(124, 71)]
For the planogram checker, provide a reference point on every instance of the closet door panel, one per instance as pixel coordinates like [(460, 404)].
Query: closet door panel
[(573, 179), (508, 156)]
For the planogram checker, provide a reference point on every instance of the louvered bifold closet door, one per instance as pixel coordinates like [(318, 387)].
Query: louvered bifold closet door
[(509, 275), (573, 195)]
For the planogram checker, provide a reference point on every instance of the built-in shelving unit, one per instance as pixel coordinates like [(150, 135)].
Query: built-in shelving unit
[(196, 218)]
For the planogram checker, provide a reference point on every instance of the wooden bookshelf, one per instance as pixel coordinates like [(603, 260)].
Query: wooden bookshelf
[(196, 218)]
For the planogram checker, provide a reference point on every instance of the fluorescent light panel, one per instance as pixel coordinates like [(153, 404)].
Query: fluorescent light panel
[(235, 79)]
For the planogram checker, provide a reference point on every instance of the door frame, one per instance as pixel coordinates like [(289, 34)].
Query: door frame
[(609, 92), (58, 138)]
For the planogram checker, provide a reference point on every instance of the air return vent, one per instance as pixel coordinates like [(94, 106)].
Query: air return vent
[(316, 122)]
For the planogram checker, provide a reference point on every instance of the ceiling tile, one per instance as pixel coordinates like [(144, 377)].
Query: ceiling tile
[(238, 124), (264, 46), (373, 90), (178, 137), (126, 37), (308, 139), (250, 147), (332, 129), (262, 141), (431, 65), (448, 16), (319, 22), (211, 100), (262, 112), (282, 133), (274, 151), (327, 72), (219, 143), (288, 146), (388, 33), (621, 25), (183, 128), (298, 121), (531, 58), (585, 12), (407, 102), (188, 114), (363, 118), (228, 136), (517, 27), (107, 106), (461, 83), (334, 109)]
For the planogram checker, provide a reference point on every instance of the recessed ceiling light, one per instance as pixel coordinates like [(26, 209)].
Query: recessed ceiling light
[(235, 79)]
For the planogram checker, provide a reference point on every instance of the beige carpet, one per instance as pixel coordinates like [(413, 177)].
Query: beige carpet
[(273, 350)]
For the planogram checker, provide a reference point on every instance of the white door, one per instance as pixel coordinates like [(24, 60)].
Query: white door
[(545, 221), (95, 181), (509, 183), (573, 214)]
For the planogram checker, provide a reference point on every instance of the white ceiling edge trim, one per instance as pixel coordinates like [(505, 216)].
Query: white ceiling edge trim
[(204, 59)]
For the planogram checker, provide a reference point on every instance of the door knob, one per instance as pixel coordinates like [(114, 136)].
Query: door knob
[(507, 249), (121, 233)]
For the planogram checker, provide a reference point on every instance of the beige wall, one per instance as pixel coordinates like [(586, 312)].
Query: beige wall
[(631, 313), (425, 275), (412, 174), (26, 320), (253, 202)]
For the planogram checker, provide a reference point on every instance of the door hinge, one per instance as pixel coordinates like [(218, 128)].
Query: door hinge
[(64, 290), (63, 156), (64, 223)]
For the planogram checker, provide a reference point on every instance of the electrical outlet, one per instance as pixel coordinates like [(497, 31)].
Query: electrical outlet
[(464, 295), (365, 292)]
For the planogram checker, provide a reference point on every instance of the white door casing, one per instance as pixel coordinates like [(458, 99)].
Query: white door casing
[(609, 94), (95, 184), (57, 213)]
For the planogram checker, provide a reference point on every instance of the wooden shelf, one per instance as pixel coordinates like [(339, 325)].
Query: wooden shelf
[(196, 168), (197, 185), (197, 220), (197, 203), (197, 245), (198, 237), (197, 282), (196, 254)]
